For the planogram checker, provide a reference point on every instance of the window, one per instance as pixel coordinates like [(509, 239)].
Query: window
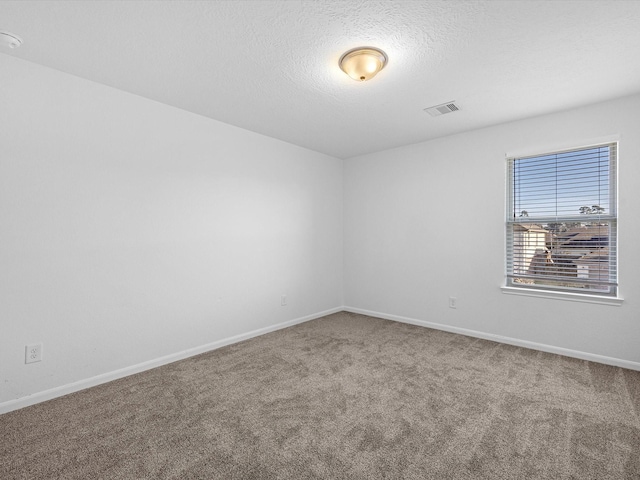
[(562, 221)]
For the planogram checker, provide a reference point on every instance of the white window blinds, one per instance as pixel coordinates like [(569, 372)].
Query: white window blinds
[(562, 221)]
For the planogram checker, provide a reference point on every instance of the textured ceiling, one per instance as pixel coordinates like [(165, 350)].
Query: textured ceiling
[(271, 66)]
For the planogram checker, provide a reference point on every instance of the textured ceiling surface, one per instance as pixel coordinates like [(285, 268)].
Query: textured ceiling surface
[(270, 66)]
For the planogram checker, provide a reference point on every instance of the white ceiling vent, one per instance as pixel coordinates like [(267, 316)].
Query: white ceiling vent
[(442, 109)]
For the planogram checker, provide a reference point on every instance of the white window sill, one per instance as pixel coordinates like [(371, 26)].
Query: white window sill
[(572, 297)]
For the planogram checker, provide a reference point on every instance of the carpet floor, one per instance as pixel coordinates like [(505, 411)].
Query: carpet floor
[(342, 397)]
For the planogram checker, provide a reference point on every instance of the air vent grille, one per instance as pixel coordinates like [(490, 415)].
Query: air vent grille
[(441, 109)]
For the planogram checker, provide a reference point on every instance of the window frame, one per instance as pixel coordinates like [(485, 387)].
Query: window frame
[(556, 291)]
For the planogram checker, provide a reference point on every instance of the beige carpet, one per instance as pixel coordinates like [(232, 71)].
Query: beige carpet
[(342, 397)]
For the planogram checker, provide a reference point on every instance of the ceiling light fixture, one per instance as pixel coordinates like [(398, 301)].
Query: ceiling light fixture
[(10, 40), (363, 63)]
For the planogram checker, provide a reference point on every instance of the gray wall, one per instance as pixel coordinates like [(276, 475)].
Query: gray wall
[(131, 230), (426, 221)]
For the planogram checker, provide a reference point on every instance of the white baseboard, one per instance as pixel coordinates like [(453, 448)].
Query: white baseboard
[(55, 392), (141, 367), (592, 357)]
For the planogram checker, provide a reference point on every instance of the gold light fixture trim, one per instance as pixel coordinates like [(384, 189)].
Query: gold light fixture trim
[(10, 40), (363, 63)]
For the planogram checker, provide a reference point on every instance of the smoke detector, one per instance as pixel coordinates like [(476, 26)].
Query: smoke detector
[(10, 40), (441, 109)]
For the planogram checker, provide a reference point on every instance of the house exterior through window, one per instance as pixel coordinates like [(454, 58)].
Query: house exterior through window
[(562, 221)]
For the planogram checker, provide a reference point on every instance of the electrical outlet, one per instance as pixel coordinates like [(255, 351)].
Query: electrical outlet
[(33, 353), (283, 300), (453, 302)]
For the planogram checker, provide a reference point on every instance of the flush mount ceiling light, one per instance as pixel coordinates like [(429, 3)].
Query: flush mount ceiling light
[(10, 40), (363, 63)]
